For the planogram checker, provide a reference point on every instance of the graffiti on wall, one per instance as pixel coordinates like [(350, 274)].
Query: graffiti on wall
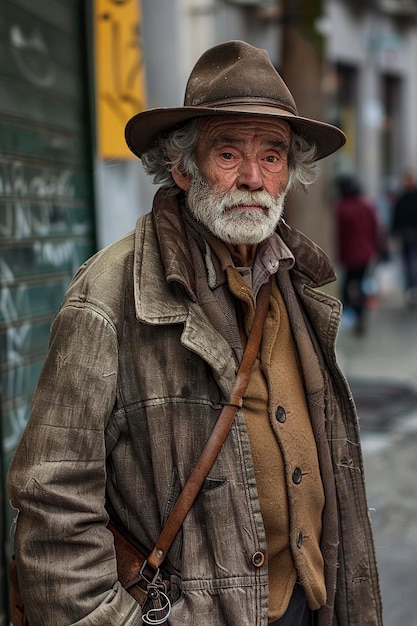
[(32, 57), (34, 207), (33, 199), (45, 222)]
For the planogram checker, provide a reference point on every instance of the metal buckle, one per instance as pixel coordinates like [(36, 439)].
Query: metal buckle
[(150, 581)]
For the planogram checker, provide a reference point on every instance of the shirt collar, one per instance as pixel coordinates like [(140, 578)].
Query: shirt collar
[(271, 254)]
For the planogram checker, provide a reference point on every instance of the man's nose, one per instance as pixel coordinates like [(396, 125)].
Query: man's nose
[(249, 175)]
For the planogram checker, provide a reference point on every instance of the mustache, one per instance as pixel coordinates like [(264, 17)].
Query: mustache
[(235, 199), (226, 200)]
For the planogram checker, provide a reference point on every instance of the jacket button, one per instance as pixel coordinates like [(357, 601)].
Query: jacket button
[(280, 414), (297, 476), (258, 559), (299, 540)]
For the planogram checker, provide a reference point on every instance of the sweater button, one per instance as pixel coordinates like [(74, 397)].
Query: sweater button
[(299, 540), (297, 476), (258, 559), (280, 414)]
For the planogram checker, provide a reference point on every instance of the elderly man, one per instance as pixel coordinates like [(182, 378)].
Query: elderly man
[(143, 355)]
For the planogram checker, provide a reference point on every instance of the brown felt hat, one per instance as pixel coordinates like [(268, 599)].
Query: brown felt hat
[(233, 78)]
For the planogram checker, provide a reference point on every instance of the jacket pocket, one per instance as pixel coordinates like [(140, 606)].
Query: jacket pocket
[(174, 554)]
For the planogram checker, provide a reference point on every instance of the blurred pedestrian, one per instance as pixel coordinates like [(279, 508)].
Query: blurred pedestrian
[(360, 243), (144, 354), (404, 228)]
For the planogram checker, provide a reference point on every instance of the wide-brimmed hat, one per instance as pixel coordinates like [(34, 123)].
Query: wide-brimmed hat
[(233, 78)]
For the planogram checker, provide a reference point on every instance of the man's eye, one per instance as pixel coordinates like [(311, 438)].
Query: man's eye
[(272, 158), (226, 160)]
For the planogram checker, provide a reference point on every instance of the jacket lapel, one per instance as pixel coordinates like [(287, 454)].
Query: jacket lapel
[(160, 302)]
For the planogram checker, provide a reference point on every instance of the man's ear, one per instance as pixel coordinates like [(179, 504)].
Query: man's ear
[(182, 180)]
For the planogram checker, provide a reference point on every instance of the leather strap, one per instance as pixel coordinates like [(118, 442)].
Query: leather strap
[(217, 436)]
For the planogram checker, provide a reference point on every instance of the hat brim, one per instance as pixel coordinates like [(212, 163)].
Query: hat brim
[(143, 128)]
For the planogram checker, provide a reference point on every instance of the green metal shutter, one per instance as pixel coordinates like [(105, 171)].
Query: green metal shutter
[(46, 198)]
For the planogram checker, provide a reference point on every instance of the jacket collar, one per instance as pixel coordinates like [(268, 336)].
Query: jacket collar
[(165, 233), (173, 243), (159, 287), (312, 265)]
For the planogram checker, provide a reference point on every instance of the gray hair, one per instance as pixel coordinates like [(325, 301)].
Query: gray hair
[(176, 148)]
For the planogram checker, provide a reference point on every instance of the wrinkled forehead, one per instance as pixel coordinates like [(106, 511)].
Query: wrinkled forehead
[(245, 126)]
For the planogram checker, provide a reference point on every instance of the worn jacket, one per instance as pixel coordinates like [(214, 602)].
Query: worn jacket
[(133, 382)]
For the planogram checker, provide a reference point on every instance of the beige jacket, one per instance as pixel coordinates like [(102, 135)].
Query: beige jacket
[(132, 385)]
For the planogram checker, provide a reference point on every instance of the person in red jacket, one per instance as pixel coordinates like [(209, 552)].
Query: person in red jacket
[(359, 244)]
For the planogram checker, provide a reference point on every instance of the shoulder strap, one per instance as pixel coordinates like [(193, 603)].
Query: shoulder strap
[(217, 436)]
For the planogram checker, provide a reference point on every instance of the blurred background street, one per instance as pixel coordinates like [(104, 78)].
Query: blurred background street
[(381, 366), (72, 72)]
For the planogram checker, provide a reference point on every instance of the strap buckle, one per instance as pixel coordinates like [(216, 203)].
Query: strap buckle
[(145, 575)]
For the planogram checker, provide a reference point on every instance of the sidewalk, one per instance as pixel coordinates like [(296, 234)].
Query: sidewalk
[(382, 369)]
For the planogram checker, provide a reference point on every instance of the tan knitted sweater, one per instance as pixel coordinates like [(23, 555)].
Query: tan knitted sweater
[(285, 456)]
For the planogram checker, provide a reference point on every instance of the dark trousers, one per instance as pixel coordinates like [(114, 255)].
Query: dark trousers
[(410, 265), (353, 294), (298, 613)]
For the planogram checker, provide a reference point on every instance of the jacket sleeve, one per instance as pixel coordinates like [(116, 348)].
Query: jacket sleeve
[(65, 554)]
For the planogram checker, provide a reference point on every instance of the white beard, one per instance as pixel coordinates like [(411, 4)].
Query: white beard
[(237, 226)]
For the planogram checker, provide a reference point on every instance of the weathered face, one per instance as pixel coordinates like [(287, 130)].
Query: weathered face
[(244, 152), (243, 174)]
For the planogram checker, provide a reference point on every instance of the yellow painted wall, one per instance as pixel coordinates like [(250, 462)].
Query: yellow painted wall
[(119, 73)]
